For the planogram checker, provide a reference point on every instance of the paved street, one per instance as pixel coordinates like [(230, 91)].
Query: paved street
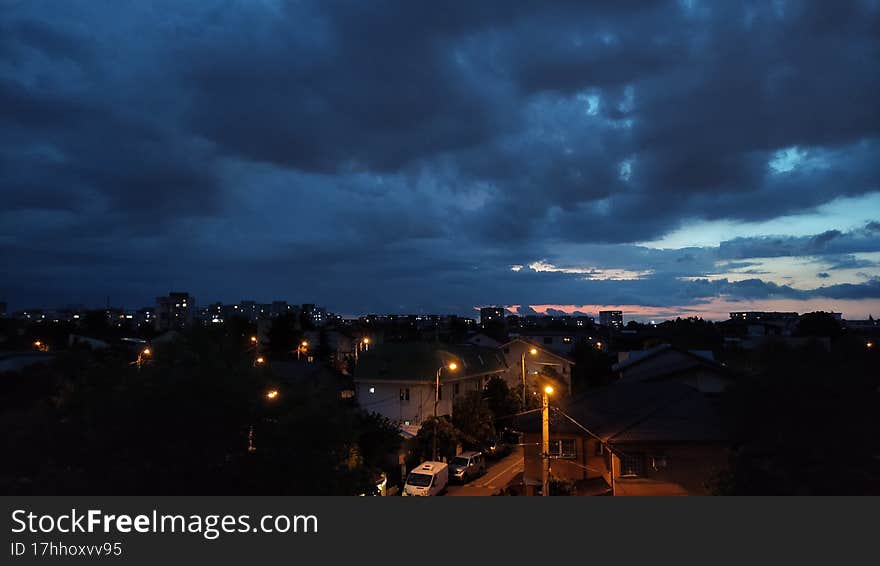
[(497, 477)]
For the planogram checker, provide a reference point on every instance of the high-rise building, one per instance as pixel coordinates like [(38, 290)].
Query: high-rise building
[(611, 319), (175, 311)]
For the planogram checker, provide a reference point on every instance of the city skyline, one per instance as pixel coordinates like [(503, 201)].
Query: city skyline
[(666, 159)]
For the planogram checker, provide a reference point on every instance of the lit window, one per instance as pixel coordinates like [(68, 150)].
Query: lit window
[(565, 448), (372, 390), (632, 465)]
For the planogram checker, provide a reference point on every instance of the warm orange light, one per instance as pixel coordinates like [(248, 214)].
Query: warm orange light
[(533, 351), (260, 360), (366, 340), (548, 390), (147, 352), (305, 344), (38, 343), (453, 366), (272, 394), (870, 345), (598, 344), (254, 339)]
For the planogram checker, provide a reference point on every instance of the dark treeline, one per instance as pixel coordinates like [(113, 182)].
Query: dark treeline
[(92, 422)]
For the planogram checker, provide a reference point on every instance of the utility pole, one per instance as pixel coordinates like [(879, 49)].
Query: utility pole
[(436, 400), (545, 441)]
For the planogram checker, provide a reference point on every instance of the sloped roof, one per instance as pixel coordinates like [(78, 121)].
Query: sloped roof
[(698, 357), (637, 412), (418, 361), (541, 347)]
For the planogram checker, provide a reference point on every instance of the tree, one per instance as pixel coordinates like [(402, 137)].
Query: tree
[(804, 423), (592, 367), (819, 325), (283, 337), (501, 400), (92, 423), (473, 419), (496, 329), (447, 439)]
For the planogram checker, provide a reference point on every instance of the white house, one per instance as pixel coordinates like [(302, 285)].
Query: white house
[(399, 380)]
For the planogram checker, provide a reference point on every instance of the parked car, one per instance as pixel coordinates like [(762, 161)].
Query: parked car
[(428, 478), (468, 465), (497, 448)]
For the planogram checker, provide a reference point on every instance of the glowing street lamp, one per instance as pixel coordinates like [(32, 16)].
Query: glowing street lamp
[(260, 360), (41, 346), (272, 394), (452, 366), (303, 347), (533, 351)]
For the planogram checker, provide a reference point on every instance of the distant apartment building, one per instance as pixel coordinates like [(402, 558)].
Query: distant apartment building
[(212, 314), (315, 314), (177, 310), (280, 308), (611, 319), (763, 316), (491, 314), (144, 317)]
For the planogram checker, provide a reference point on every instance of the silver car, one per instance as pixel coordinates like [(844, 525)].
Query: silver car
[(467, 465)]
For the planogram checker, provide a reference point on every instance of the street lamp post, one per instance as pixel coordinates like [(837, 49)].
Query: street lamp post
[(145, 353), (545, 441), (452, 366), (303, 346), (534, 352)]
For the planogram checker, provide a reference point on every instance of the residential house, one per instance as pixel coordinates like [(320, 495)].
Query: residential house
[(544, 363), (696, 368), (480, 339), (398, 379), (660, 438)]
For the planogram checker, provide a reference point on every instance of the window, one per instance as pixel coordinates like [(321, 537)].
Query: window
[(632, 465), (404, 394), (565, 448)]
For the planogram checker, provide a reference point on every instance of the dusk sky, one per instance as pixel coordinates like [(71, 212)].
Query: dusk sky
[(666, 158)]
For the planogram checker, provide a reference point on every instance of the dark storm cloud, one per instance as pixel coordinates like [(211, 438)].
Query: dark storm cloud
[(830, 243), (414, 151)]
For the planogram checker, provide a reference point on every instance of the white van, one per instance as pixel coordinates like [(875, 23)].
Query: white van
[(428, 478)]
